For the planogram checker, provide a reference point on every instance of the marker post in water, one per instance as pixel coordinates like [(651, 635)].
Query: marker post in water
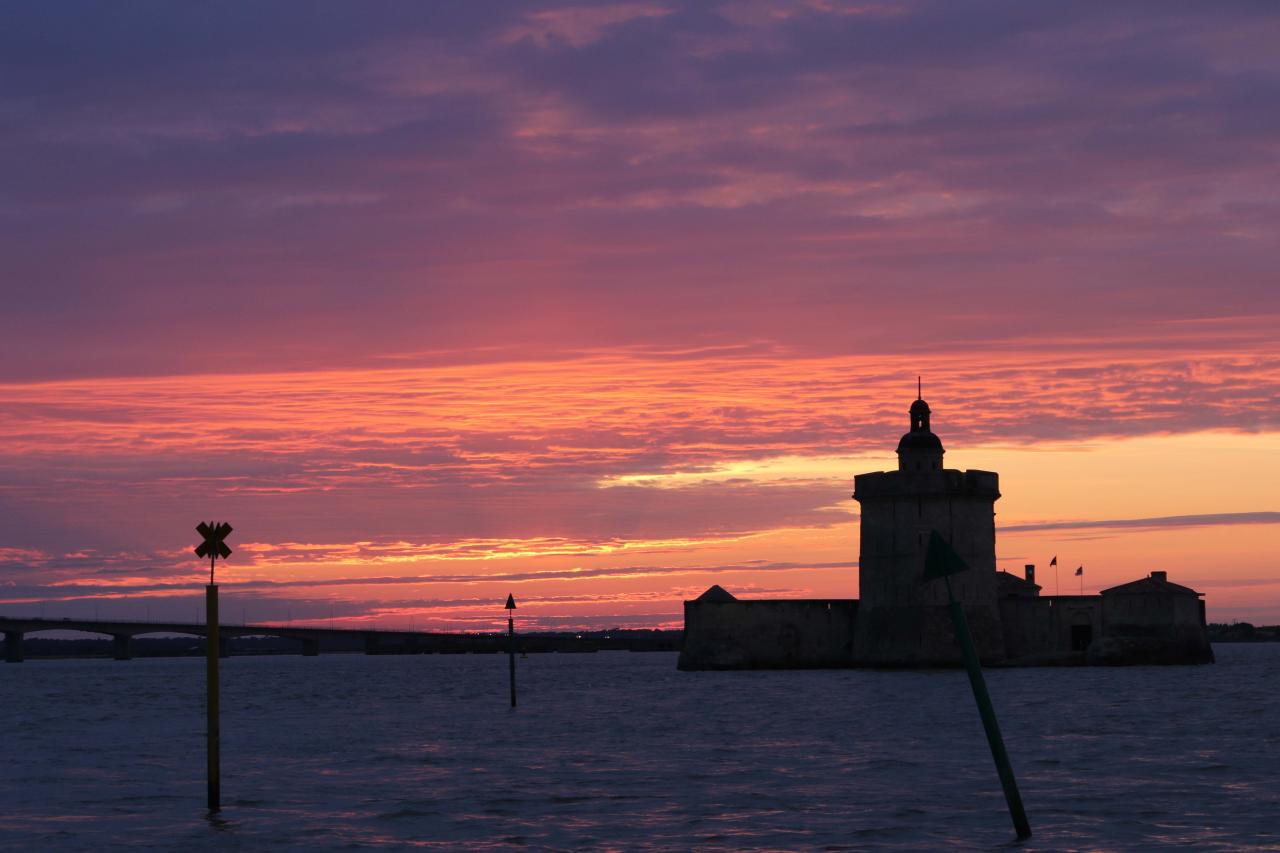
[(213, 547), (942, 561), (511, 643)]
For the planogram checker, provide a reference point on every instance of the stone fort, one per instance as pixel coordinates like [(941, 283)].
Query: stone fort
[(902, 620)]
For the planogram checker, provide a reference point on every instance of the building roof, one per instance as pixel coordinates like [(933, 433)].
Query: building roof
[(716, 593), (920, 437), (920, 440), (1155, 583), (1008, 583)]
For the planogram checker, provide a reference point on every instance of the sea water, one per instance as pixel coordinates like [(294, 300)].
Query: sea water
[(619, 751)]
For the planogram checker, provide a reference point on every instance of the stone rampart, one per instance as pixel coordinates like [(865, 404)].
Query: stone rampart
[(779, 634), (923, 636)]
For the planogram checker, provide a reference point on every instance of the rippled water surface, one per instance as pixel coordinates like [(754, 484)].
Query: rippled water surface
[(621, 751)]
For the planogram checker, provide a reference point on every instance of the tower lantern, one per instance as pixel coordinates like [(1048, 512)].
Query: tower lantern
[(920, 450), (919, 416)]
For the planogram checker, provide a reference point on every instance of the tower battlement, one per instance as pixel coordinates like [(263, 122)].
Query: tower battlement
[(970, 483)]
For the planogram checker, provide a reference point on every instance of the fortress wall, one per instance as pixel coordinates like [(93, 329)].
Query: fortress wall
[(1069, 610), (1028, 627), (1147, 609), (1150, 628), (1042, 627), (923, 635), (778, 634)]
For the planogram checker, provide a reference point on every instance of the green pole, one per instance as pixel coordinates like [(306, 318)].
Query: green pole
[(988, 714), (511, 653), (211, 633)]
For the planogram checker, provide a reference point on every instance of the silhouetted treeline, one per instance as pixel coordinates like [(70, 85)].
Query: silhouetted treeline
[(1243, 632)]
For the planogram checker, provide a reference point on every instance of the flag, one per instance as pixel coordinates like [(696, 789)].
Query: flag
[(1079, 571), (1054, 561)]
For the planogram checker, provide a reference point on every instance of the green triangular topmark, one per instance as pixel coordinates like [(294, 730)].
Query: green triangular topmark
[(511, 601), (941, 559)]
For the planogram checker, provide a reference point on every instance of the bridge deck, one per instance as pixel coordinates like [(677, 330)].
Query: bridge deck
[(315, 640)]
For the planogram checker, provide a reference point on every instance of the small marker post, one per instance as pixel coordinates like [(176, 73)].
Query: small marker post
[(213, 547), (511, 644), (942, 561), (213, 768)]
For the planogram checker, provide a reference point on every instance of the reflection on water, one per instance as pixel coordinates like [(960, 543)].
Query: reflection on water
[(621, 751)]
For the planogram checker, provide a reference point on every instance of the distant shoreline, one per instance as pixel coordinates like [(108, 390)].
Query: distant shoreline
[(1243, 632), (576, 642)]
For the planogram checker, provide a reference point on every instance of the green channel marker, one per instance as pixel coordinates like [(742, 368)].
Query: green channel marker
[(942, 561), (511, 643)]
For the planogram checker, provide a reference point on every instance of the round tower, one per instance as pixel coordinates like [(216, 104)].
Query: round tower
[(902, 619)]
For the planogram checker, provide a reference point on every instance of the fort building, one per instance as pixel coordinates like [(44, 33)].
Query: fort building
[(902, 620)]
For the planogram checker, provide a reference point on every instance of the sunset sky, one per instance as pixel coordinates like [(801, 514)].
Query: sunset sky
[(601, 304)]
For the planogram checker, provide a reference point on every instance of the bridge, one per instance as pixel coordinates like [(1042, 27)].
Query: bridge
[(312, 641)]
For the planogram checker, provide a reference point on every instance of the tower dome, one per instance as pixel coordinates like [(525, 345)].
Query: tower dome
[(919, 449)]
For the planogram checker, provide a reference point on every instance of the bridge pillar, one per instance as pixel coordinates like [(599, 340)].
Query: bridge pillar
[(13, 646), (122, 646), (224, 647), (310, 648)]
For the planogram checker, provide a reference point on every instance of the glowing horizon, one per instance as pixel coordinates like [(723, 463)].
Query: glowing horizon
[(604, 303), (770, 479)]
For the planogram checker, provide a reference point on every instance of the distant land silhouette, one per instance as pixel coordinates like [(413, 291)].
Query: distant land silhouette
[(1243, 632), (565, 642)]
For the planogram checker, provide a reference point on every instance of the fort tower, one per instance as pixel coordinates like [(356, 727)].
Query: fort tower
[(902, 620)]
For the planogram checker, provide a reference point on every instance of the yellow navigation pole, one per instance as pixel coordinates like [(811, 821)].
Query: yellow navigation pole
[(214, 747), (213, 547)]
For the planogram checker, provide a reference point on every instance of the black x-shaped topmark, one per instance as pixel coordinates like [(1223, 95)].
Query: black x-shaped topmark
[(213, 535)]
